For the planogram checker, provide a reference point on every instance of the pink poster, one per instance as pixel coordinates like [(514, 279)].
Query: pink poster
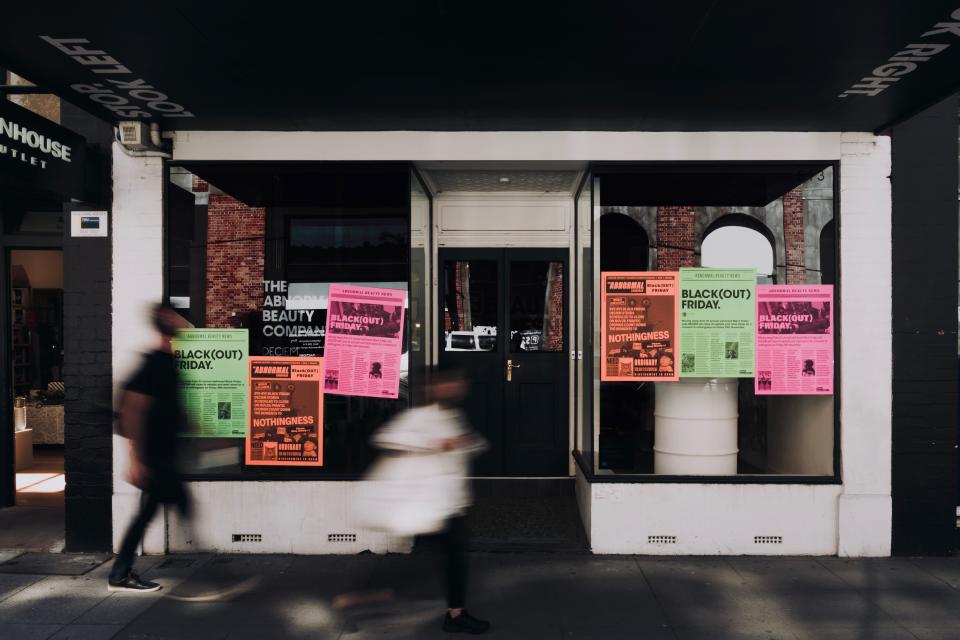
[(794, 340), (364, 340)]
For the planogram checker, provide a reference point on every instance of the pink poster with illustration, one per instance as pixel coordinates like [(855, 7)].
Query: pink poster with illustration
[(794, 353), (364, 340)]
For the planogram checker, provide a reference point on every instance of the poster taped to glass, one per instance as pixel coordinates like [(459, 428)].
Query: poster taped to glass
[(213, 380), (286, 412), (717, 322), (364, 341), (639, 326), (794, 340)]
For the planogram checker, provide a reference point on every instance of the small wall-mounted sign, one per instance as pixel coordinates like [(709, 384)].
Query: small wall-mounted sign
[(89, 224)]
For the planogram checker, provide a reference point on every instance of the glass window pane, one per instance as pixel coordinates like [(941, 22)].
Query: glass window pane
[(789, 241), (470, 305), (226, 237), (536, 306)]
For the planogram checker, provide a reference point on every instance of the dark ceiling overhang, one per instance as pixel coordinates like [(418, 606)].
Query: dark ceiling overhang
[(692, 65), (309, 184)]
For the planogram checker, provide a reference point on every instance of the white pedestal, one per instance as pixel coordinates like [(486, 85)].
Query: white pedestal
[(696, 427), (23, 449)]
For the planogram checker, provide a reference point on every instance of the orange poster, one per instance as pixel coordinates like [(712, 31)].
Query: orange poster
[(638, 326), (286, 412)]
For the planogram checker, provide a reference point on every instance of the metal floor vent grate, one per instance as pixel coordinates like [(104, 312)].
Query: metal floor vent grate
[(661, 539), (767, 539), (248, 537), (341, 537)]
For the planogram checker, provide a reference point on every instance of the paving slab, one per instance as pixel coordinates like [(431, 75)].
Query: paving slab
[(937, 634), (684, 633), (119, 608), (87, 632), (787, 574), (880, 573), (54, 564), (11, 584), (31, 528), (9, 554), (617, 633), (55, 599), (946, 570), (292, 598), (17, 631)]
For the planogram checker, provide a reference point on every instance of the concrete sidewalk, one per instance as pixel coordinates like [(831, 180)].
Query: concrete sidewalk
[(524, 595)]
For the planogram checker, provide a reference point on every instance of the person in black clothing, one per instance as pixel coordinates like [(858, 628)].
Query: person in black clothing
[(151, 417)]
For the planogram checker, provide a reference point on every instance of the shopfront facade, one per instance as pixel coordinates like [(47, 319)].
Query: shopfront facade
[(493, 220), (506, 196)]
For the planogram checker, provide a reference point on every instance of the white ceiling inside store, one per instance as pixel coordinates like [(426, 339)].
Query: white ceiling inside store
[(447, 178)]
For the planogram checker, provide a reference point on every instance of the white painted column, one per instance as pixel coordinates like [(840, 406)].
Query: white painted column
[(137, 283), (866, 348)]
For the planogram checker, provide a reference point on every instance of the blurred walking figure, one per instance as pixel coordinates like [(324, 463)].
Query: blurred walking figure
[(151, 417), (420, 486)]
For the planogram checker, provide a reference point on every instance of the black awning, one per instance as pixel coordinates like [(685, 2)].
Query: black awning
[(424, 65)]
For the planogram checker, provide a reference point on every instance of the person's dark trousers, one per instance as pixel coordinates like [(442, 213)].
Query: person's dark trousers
[(128, 548), (169, 491), (456, 551)]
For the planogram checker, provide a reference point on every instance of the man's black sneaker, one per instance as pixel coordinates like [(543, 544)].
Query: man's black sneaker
[(132, 582), (465, 623)]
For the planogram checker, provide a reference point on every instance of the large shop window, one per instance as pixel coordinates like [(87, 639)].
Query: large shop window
[(755, 403), (258, 247)]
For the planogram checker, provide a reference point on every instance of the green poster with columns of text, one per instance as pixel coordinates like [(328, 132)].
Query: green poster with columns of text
[(212, 364), (717, 322)]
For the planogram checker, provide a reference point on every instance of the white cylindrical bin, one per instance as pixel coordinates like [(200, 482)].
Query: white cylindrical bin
[(696, 427)]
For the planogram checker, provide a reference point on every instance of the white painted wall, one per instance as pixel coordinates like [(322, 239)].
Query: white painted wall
[(137, 224), (714, 519), (291, 517), (866, 347)]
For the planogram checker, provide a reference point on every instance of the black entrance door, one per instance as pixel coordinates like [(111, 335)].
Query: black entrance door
[(503, 321)]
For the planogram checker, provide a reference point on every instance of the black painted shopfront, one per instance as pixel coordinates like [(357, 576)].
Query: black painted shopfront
[(47, 172)]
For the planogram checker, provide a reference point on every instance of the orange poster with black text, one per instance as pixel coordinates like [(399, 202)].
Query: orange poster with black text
[(638, 326), (286, 412)]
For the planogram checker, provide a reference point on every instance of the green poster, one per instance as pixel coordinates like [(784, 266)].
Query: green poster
[(213, 381), (717, 322)]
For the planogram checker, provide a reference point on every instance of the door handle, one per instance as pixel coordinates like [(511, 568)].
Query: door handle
[(510, 368)]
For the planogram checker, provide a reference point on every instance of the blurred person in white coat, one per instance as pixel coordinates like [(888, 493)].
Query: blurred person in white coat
[(420, 485)]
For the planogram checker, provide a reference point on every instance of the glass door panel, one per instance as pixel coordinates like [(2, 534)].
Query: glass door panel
[(536, 306)]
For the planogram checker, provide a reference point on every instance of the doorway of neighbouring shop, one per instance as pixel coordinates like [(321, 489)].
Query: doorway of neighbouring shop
[(35, 313), (36, 393)]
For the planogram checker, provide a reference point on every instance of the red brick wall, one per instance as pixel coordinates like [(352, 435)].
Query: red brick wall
[(553, 341), (793, 239), (675, 238), (235, 249), (458, 283)]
